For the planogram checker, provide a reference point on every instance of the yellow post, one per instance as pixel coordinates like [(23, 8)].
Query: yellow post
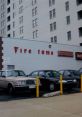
[(61, 85), (37, 87), (81, 83)]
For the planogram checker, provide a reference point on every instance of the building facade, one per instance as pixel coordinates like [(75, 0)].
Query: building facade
[(56, 21)]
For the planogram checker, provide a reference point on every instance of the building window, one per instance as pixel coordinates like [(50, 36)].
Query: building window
[(53, 26), (54, 39), (67, 6), (34, 2), (8, 10), (69, 35), (13, 33), (20, 9), (13, 24), (51, 2), (35, 34), (79, 2), (13, 5), (21, 19), (8, 27), (79, 13), (52, 13), (34, 11), (8, 2), (13, 14), (34, 23), (20, 1), (8, 35), (80, 32), (68, 19), (8, 19), (21, 30)]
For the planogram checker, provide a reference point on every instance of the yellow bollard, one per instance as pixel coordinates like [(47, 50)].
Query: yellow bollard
[(37, 87), (81, 83), (61, 85)]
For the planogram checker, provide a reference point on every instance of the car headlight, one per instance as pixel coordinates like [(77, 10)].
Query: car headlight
[(21, 83), (74, 80), (63, 81)]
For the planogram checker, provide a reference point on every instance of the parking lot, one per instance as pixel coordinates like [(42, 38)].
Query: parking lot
[(67, 105)]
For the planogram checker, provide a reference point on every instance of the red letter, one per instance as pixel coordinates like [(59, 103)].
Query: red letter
[(16, 49)]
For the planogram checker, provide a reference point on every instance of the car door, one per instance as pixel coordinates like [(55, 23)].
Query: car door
[(4, 81), (44, 81)]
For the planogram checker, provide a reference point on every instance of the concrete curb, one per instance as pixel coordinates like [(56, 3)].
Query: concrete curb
[(51, 94)]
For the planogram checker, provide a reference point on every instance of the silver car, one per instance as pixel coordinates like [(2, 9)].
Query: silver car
[(16, 80)]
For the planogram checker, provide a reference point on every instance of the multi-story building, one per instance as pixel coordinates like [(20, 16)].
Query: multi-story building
[(56, 21)]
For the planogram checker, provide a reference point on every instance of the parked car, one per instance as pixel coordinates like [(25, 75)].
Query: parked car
[(72, 77), (16, 80), (50, 79), (79, 71)]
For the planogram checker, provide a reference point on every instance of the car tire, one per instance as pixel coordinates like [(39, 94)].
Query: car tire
[(10, 89), (51, 87)]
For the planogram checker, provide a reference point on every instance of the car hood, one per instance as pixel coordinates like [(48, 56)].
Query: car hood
[(19, 78)]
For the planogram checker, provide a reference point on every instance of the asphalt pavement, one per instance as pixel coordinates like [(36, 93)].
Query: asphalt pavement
[(67, 105)]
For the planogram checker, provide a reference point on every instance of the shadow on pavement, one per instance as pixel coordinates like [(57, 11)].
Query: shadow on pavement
[(27, 95)]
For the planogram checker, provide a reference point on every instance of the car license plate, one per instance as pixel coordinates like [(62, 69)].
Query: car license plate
[(32, 86)]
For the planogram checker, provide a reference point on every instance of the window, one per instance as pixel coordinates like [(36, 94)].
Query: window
[(54, 25), (8, 35), (13, 24), (54, 39), (2, 7), (20, 9), (21, 19), (8, 10), (67, 6), (20, 1), (51, 2), (21, 29), (35, 34), (79, 13), (34, 23), (69, 35), (68, 19), (8, 18), (8, 2), (79, 2), (51, 27), (52, 13), (2, 23), (13, 33), (8, 27), (34, 11), (13, 14), (13, 5), (80, 32), (34, 2)]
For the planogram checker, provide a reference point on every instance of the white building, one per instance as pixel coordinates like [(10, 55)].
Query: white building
[(56, 21)]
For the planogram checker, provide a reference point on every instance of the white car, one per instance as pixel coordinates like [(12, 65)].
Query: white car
[(16, 80)]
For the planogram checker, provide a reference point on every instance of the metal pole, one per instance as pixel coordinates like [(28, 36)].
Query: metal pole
[(61, 85), (81, 83), (37, 87)]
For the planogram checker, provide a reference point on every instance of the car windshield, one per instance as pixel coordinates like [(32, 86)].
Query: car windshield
[(52, 74), (74, 72), (14, 73)]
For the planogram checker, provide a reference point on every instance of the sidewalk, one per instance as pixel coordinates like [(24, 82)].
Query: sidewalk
[(58, 106)]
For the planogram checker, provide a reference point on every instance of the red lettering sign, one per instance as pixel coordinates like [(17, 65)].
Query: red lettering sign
[(65, 54)]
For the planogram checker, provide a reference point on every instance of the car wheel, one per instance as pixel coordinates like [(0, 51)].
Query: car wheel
[(10, 90), (51, 87)]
